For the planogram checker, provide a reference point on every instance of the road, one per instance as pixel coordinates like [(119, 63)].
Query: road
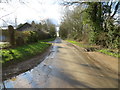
[(66, 67)]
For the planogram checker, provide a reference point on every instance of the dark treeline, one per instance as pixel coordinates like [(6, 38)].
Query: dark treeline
[(93, 22)]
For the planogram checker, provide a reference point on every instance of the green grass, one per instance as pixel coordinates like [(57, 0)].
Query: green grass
[(78, 43), (108, 52), (105, 51), (23, 52)]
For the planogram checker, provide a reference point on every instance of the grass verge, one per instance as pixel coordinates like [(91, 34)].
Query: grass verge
[(18, 54), (80, 44), (105, 51), (109, 52)]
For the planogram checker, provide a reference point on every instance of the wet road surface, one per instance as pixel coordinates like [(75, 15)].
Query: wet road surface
[(65, 67)]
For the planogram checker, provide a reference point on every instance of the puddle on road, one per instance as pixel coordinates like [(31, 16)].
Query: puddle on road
[(13, 81), (27, 79)]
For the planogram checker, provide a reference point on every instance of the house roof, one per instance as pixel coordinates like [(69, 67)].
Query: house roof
[(24, 26)]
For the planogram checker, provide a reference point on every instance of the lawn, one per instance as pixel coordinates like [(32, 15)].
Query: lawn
[(21, 53)]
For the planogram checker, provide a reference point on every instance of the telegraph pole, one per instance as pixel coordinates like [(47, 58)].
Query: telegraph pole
[(16, 22)]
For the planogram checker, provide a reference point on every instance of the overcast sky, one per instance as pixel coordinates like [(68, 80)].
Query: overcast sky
[(29, 10)]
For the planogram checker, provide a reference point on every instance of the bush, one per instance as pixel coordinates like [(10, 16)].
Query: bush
[(30, 36), (34, 36)]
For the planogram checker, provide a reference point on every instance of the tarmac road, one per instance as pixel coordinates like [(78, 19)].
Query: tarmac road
[(66, 67)]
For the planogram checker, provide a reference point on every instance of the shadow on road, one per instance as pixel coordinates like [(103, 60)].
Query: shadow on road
[(90, 66), (69, 79)]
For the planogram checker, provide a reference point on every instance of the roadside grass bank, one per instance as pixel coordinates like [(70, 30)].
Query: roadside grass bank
[(106, 51), (22, 53), (110, 52), (79, 44)]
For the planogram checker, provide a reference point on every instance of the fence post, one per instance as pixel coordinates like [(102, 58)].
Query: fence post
[(11, 35)]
